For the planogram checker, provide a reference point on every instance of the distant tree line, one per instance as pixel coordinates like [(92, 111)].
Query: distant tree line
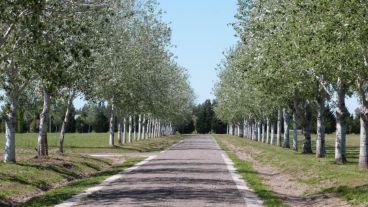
[(204, 120)]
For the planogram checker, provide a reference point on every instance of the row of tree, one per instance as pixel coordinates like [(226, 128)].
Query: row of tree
[(295, 58), (114, 51)]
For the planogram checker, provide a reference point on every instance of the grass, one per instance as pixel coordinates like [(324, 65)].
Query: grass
[(321, 175), (255, 182), (88, 143), (30, 176), (58, 195)]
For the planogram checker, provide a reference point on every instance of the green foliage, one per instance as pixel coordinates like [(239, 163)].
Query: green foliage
[(206, 121)]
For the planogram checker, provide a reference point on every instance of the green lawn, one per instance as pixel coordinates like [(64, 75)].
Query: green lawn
[(88, 143), (31, 176), (255, 182), (348, 181)]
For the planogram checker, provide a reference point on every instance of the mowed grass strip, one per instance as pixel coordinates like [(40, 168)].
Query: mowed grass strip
[(254, 181), (58, 195), (34, 176), (31, 176), (321, 174), (89, 143)]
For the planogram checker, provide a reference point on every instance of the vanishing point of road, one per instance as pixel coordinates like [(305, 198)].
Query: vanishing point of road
[(195, 172)]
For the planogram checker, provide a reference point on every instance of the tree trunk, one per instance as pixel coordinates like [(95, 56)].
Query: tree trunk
[(341, 114), (10, 122), (112, 125), (259, 132), (268, 131), (65, 122), (120, 129), (295, 131), (286, 129), (279, 122), (272, 133), (307, 123), (363, 152), (130, 130), (320, 144), (134, 128), (42, 147), (124, 130), (263, 132), (139, 126), (144, 127)]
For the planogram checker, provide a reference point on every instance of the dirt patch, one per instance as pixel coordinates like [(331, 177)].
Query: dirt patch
[(293, 193)]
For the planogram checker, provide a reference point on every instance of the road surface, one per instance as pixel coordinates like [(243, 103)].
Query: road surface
[(193, 173)]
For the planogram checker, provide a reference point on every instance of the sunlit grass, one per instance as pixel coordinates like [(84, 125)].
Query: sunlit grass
[(323, 174)]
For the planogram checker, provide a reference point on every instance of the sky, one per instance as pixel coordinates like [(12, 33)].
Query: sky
[(201, 33)]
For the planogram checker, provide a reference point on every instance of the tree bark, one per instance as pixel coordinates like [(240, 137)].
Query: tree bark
[(272, 133), (42, 147), (120, 129), (65, 122), (341, 114), (363, 152), (268, 131), (10, 122), (112, 125), (307, 125), (320, 143), (139, 127), (124, 130), (286, 129), (295, 131), (134, 128), (144, 127), (263, 132), (279, 122), (130, 130)]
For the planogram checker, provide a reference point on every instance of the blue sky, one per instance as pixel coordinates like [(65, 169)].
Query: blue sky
[(201, 33)]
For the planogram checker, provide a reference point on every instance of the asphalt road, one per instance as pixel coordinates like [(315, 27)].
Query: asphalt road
[(192, 173)]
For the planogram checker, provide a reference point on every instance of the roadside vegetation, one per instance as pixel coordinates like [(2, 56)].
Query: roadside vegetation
[(322, 177), (58, 176)]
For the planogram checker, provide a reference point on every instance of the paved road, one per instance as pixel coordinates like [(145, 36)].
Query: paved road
[(193, 173)]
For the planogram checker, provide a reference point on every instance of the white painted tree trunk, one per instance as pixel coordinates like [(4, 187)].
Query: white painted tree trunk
[(120, 129), (363, 150), (144, 127), (227, 129), (42, 146), (320, 143), (286, 129), (272, 133), (244, 128), (259, 132), (10, 122), (149, 128), (112, 123), (268, 131), (139, 126), (124, 130), (134, 128), (341, 114), (65, 122), (279, 122), (295, 131), (130, 129)]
